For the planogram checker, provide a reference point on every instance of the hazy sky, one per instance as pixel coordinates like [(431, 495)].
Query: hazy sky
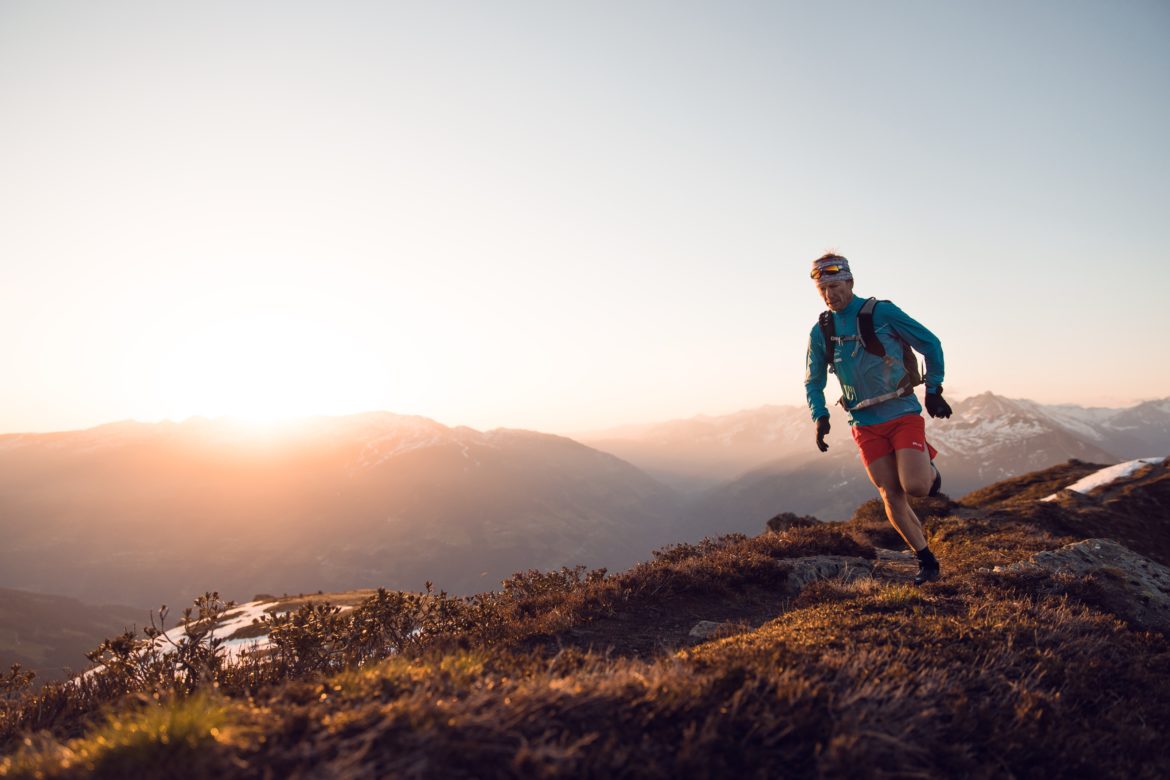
[(564, 216)]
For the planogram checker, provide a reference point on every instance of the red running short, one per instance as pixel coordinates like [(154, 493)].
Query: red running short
[(907, 432)]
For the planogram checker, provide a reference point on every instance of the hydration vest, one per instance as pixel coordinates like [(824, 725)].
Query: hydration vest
[(868, 337)]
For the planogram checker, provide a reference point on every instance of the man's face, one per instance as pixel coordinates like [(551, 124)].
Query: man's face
[(836, 294)]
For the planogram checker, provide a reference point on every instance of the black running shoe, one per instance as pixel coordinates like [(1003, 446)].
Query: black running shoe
[(928, 571), (935, 486)]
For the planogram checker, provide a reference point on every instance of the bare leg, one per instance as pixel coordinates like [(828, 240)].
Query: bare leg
[(914, 471), (885, 475)]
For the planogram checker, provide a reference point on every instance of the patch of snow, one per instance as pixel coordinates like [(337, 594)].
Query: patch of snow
[(1107, 476), (1086, 422), (982, 434), (240, 617), (1081, 425)]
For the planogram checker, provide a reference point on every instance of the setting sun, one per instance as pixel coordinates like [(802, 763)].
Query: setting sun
[(266, 366)]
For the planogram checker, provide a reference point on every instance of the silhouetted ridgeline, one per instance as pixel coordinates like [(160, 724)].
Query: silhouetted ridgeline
[(803, 652)]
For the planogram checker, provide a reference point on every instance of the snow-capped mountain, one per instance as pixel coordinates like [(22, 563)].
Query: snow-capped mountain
[(1139, 430), (989, 438)]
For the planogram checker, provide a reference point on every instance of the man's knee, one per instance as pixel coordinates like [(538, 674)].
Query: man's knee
[(916, 487), (915, 473)]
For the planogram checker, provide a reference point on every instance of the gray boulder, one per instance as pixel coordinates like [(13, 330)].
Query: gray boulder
[(1130, 585), (893, 555), (804, 571), (705, 629)]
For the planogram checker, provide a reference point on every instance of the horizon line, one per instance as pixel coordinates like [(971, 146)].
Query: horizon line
[(284, 420)]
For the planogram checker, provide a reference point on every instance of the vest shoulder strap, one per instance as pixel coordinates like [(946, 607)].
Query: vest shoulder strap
[(828, 331), (865, 329)]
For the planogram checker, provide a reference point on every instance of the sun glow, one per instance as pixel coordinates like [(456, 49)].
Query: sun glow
[(264, 367)]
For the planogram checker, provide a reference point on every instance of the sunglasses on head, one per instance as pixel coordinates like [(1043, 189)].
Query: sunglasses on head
[(827, 270)]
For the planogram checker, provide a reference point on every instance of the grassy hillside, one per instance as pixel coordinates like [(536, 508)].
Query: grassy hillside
[(50, 634), (576, 673)]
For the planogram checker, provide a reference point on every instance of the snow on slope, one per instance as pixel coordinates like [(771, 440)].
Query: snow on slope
[(236, 619), (986, 434), (416, 436), (1086, 422), (1107, 476), (239, 617)]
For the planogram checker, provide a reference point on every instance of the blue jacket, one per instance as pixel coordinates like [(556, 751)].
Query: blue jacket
[(863, 375)]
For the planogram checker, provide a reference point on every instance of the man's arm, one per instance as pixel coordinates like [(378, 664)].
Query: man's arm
[(923, 341), (815, 374)]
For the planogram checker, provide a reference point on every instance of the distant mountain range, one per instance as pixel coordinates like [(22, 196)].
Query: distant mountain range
[(989, 438), (139, 513), (701, 452), (148, 513)]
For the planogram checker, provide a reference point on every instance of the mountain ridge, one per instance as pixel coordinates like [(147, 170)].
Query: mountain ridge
[(343, 502), (382, 497), (990, 437)]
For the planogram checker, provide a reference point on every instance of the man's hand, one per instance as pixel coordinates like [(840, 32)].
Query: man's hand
[(936, 406), (822, 431)]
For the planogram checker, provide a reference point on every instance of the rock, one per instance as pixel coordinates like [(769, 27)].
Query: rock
[(893, 555), (1127, 584), (785, 520), (705, 629), (803, 571)]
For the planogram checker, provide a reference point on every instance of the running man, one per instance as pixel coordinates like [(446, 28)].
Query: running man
[(867, 344)]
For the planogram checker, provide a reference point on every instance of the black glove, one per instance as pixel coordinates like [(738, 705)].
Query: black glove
[(936, 406), (822, 431)]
